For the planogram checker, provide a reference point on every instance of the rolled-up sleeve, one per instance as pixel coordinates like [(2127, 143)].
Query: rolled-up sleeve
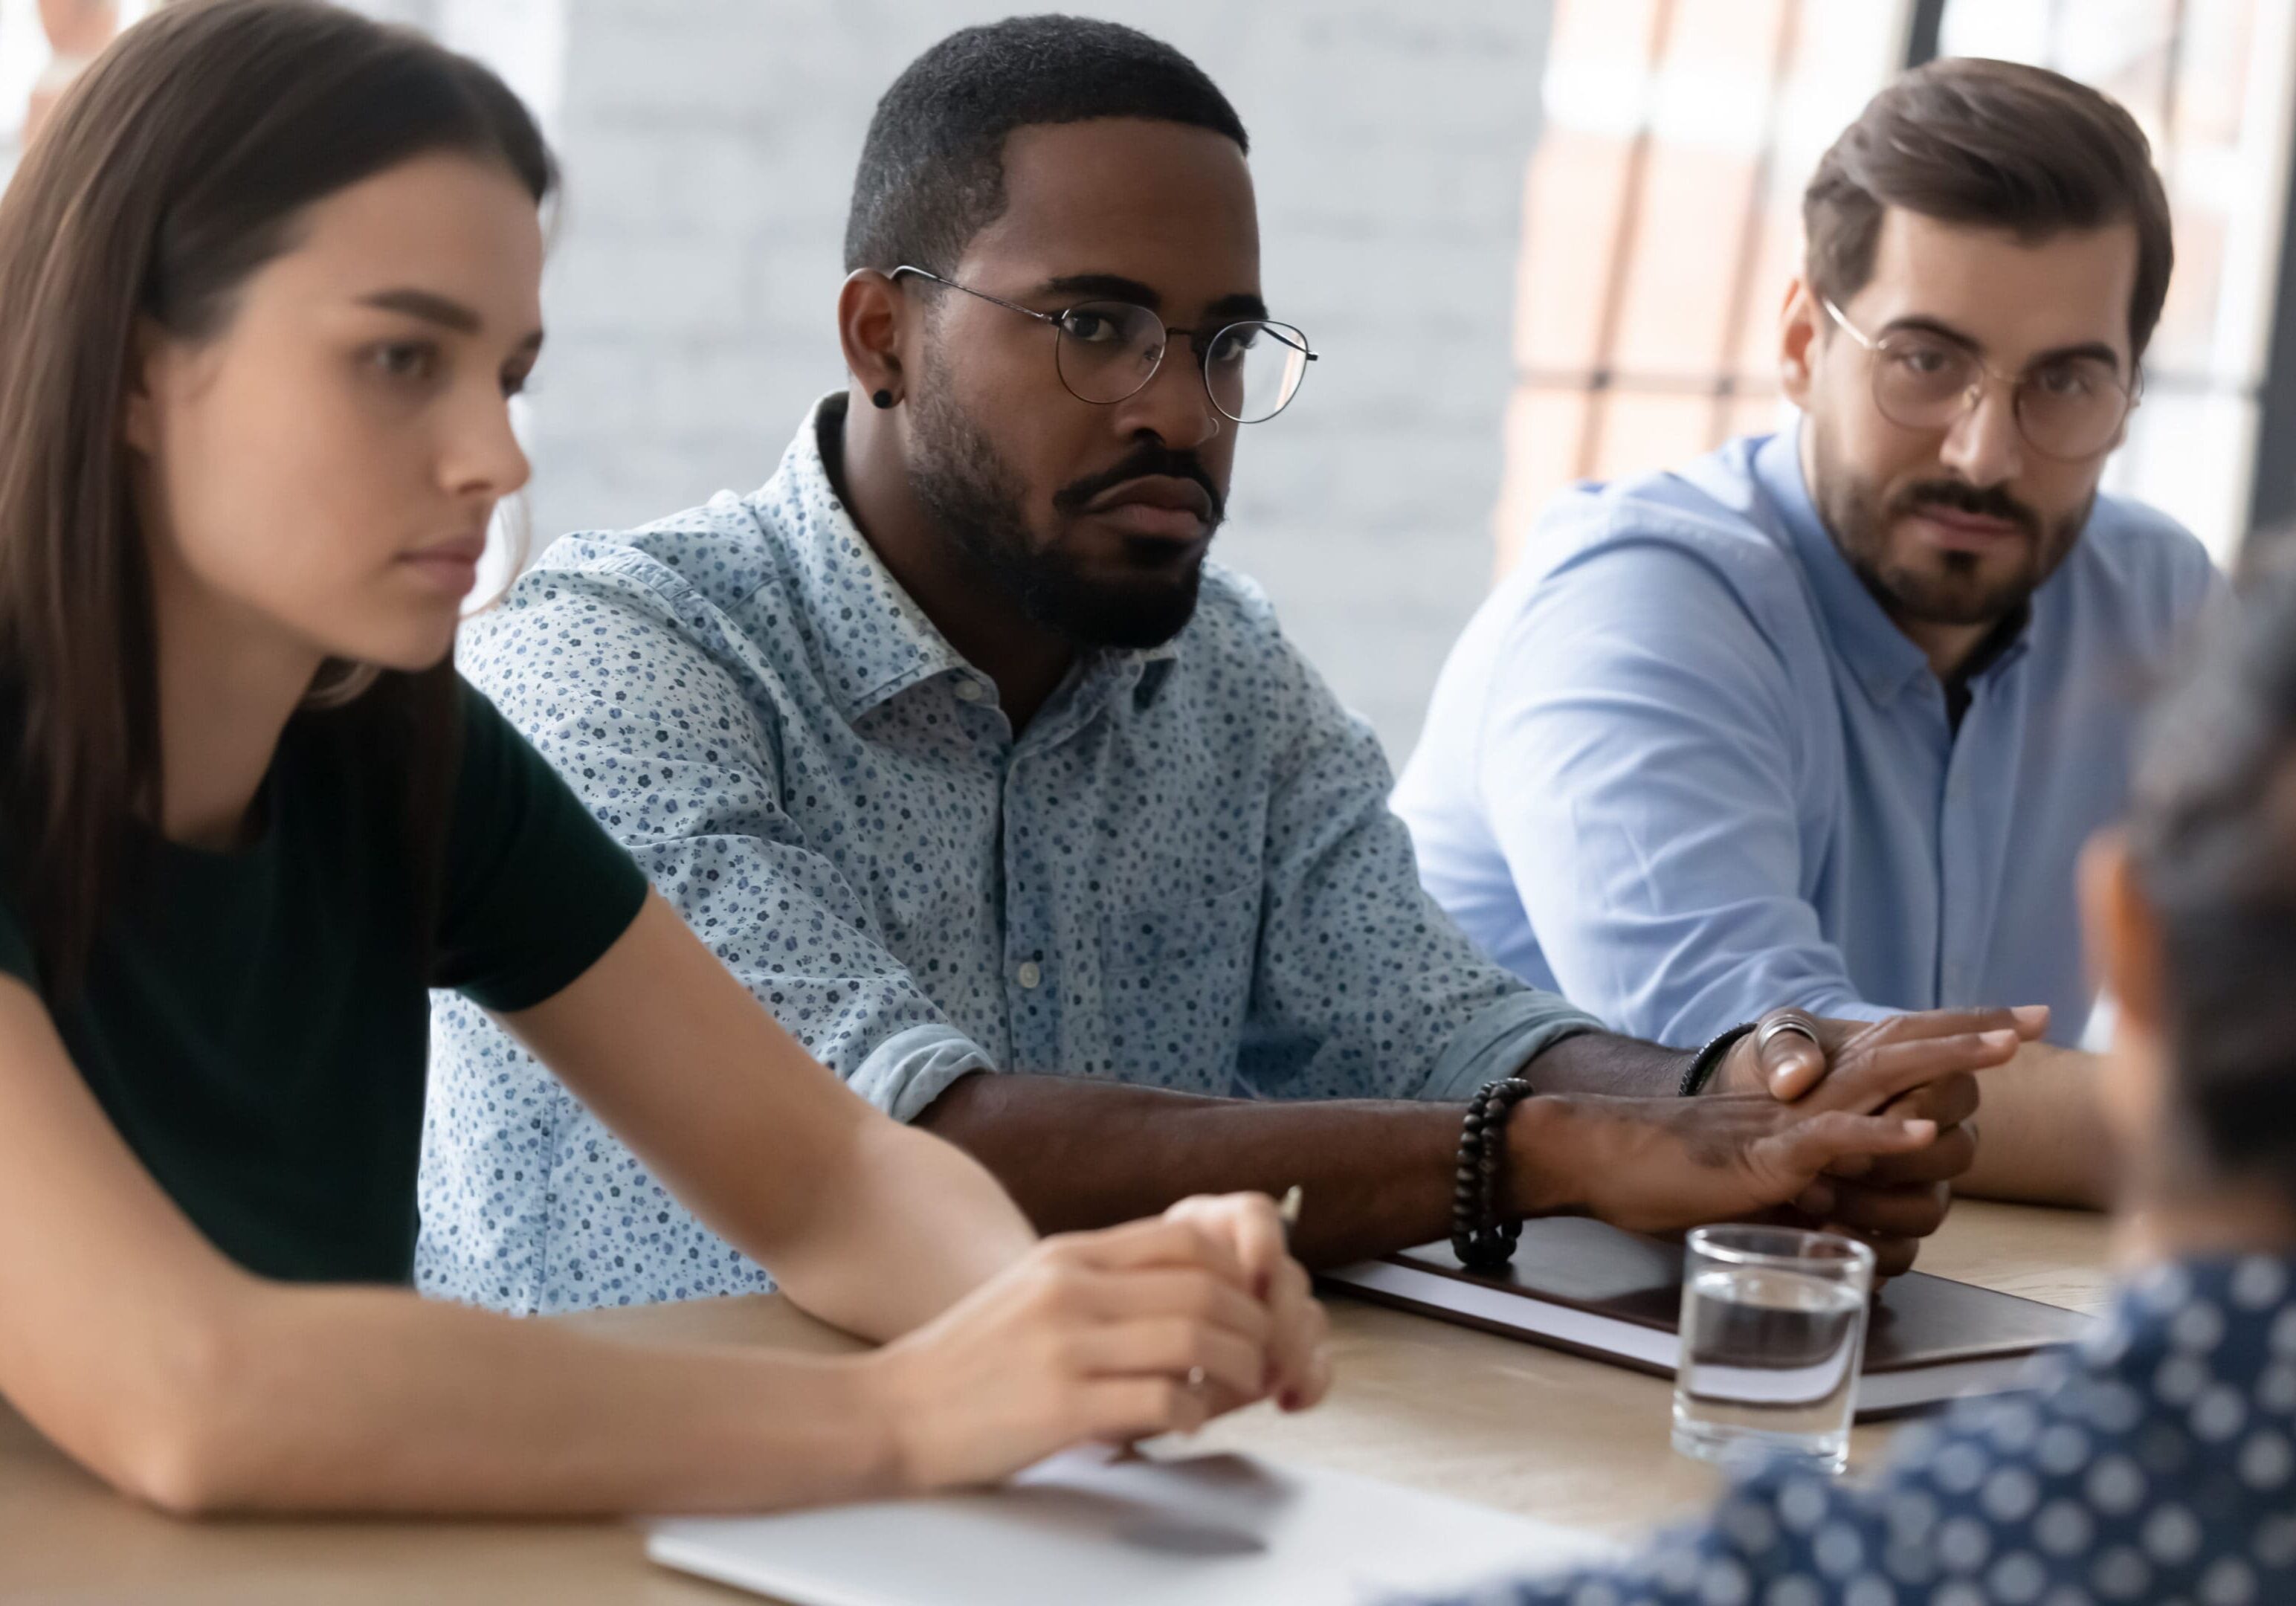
[(1364, 987), (610, 672), (911, 1069)]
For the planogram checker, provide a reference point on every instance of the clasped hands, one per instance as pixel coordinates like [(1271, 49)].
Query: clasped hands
[(1861, 1132), (1892, 1201)]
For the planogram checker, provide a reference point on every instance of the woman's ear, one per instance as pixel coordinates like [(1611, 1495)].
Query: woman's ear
[(2122, 936), (139, 411), (2124, 955), (869, 327)]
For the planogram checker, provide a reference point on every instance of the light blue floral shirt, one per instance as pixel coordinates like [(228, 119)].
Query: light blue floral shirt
[(1183, 873)]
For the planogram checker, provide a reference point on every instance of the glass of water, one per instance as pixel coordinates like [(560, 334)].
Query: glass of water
[(1772, 1330)]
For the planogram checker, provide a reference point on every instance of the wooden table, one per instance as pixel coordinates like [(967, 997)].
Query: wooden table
[(1442, 1408)]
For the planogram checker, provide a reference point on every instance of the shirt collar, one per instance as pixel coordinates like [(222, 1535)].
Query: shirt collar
[(2002, 645), (1885, 659), (873, 641)]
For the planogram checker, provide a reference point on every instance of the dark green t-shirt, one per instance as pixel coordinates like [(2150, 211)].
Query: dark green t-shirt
[(255, 1023)]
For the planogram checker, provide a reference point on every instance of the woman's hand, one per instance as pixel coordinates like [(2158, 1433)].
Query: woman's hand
[(1149, 1328), (1299, 1358)]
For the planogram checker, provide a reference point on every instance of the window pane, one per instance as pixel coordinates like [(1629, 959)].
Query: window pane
[(1542, 434), (1638, 433), (1709, 121), (2210, 82), (23, 54), (2190, 454), (1576, 192), (1661, 222)]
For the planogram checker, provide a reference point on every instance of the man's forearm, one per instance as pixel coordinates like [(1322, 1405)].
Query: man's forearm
[(2041, 1137), (1378, 1173), (1078, 1154), (1606, 1135), (1613, 1066)]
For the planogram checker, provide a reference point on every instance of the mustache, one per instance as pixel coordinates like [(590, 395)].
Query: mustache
[(1988, 501), (1149, 458)]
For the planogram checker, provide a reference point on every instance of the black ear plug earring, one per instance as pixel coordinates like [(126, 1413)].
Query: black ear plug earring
[(883, 398)]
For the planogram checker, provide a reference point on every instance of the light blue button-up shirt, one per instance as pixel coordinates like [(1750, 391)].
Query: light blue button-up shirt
[(1183, 873), (1684, 767)]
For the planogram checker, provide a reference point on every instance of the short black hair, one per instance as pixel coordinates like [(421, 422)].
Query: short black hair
[(932, 167)]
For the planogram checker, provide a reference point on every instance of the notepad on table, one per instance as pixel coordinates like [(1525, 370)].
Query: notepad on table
[(1581, 1286), (1116, 1530)]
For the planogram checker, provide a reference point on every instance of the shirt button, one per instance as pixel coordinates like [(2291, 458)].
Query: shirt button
[(968, 691), (1029, 973)]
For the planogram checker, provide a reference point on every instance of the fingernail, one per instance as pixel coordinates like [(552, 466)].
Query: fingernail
[(2004, 1038), (1920, 1130), (2032, 1014)]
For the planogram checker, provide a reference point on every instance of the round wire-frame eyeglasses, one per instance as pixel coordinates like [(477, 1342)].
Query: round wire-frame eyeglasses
[(1106, 351), (2069, 426)]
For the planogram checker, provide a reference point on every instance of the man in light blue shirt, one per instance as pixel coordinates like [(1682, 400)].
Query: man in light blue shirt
[(1028, 822), (2156, 1462), (1827, 716)]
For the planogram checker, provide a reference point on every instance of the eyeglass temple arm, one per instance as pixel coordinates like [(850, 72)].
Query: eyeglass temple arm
[(1045, 317), (1273, 328), (926, 273), (1849, 328)]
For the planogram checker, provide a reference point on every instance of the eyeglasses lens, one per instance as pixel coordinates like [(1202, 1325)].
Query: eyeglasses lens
[(1108, 350), (1253, 370), (2070, 408)]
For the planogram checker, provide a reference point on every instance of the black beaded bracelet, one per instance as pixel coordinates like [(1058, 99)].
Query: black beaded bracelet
[(1709, 1059), (1478, 1237)]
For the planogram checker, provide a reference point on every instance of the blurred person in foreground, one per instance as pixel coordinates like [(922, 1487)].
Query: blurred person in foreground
[(1029, 819), (2158, 1462), (1824, 718)]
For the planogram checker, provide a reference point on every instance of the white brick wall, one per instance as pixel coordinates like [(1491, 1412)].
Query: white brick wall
[(709, 147)]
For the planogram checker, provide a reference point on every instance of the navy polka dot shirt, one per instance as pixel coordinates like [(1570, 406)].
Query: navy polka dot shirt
[(1182, 874), (2156, 1464)]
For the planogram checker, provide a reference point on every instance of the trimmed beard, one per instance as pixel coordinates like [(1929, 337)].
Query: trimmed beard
[(1860, 517), (980, 505)]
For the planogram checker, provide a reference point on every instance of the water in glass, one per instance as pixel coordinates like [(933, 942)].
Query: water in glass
[(1770, 1352)]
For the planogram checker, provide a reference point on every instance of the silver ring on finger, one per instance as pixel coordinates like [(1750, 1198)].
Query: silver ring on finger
[(1777, 1023)]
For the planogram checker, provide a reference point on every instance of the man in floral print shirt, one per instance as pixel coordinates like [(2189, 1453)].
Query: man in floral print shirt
[(1028, 821)]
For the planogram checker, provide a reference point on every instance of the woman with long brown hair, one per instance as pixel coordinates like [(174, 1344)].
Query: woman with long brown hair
[(270, 278)]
